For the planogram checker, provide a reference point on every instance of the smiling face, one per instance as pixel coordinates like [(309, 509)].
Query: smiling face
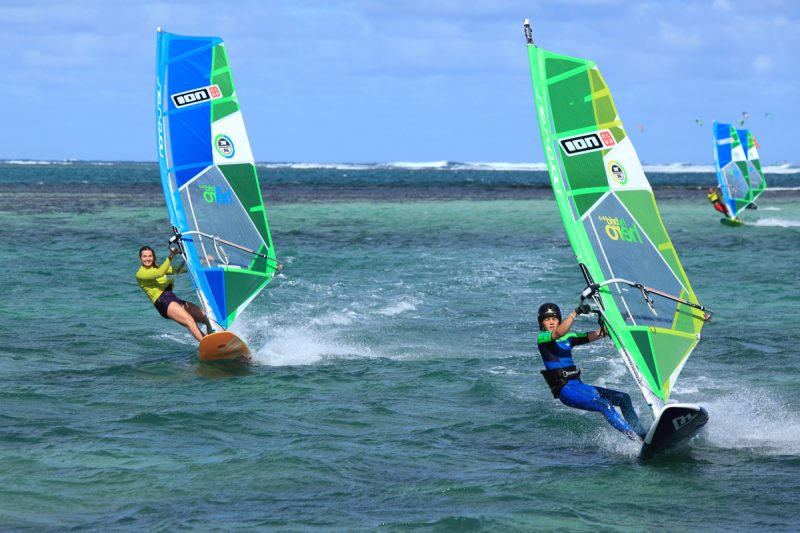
[(147, 258), (550, 323)]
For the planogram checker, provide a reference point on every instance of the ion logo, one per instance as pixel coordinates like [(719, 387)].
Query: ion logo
[(224, 146), (617, 172), (723, 142), (588, 142), (195, 96)]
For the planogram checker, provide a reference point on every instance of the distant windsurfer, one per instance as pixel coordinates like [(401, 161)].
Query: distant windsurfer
[(154, 281), (555, 345), (715, 197)]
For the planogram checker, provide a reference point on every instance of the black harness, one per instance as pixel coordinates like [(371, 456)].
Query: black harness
[(556, 378)]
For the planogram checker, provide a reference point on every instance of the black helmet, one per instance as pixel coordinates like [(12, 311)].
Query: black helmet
[(548, 310)]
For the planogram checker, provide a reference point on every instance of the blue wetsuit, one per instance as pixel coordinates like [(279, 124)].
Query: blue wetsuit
[(558, 354)]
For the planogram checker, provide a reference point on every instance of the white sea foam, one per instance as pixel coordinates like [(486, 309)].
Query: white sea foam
[(56, 162), (282, 341), (687, 168), (288, 346), (785, 168), (181, 337), (500, 166), (29, 162), (330, 166), (400, 307), (611, 440), (753, 420), (419, 165), (501, 370), (776, 222), (770, 208), (685, 389), (675, 168), (344, 317)]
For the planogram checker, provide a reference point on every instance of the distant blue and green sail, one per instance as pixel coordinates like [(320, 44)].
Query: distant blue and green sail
[(209, 176), (738, 166), (755, 175)]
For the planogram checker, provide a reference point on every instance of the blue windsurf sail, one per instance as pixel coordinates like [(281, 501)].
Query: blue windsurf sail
[(730, 163), (209, 176)]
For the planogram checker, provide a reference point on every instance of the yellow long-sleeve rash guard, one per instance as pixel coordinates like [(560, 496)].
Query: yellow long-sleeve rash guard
[(154, 281)]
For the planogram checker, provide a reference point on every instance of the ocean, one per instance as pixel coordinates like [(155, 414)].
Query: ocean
[(395, 383)]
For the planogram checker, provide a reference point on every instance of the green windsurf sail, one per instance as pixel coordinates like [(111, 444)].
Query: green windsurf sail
[(613, 225), (209, 176), (755, 175)]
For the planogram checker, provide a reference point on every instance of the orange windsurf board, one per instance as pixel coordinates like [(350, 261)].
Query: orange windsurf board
[(223, 346)]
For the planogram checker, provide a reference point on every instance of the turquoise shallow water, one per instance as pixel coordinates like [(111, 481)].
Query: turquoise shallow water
[(396, 381)]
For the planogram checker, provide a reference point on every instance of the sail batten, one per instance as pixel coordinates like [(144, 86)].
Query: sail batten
[(613, 224), (209, 177)]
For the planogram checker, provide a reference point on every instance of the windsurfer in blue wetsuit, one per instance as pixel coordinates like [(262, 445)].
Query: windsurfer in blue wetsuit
[(555, 344)]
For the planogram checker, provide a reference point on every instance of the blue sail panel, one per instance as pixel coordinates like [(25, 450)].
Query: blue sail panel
[(215, 277)]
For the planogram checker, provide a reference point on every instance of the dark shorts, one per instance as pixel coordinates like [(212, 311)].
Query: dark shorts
[(163, 301)]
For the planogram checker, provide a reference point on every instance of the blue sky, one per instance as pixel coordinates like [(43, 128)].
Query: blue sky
[(387, 81)]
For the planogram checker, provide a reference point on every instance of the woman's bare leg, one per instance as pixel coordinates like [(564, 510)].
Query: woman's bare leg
[(199, 315), (176, 312)]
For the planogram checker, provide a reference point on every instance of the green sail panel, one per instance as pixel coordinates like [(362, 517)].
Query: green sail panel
[(612, 221)]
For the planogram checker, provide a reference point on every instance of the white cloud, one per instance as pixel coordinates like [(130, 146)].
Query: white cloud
[(762, 64), (722, 5), (680, 37)]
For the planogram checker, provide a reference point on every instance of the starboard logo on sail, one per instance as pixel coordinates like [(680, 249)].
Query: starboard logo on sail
[(617, 172), (195, 96), (224, 146), (587, 142)]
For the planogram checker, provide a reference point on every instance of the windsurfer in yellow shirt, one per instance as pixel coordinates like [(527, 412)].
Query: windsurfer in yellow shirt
[(715, 197), (154, 281)]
